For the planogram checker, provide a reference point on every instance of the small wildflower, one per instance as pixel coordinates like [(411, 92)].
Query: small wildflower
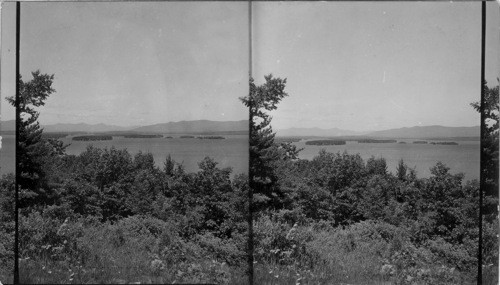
[(63, 227), (290, 233), (157, 265)]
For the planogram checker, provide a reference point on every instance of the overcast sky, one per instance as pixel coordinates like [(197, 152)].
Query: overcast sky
[(132, 63), (371, 66), (352, 65)]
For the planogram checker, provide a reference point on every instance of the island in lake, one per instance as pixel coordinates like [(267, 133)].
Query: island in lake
[(211, 138), (92, 138), (136, 136), (325, 142), (445, 143), (376, 141)]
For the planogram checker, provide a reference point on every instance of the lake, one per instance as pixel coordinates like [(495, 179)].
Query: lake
[(7, 154), (463, 157), (233, 152), (229, 152)]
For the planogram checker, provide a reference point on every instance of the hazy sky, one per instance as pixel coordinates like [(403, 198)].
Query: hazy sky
[(132, 63), (371, 66), (351, 65)]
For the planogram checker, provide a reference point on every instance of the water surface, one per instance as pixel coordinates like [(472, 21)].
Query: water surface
[(463, 157), (229, 152), (233, 152)]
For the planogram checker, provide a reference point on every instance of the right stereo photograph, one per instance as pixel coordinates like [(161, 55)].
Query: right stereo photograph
[(374, 141)]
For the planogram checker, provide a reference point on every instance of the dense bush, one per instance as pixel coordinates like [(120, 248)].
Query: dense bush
[(116, 218), (363, 251), (7, 227), (346, 220), (133, 249)]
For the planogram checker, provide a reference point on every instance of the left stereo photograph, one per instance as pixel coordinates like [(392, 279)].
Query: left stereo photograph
[(132, 146)]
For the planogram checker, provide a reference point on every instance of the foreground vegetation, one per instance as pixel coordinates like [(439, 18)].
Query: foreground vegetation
[(112, 218), (340, 219), (7, 227)]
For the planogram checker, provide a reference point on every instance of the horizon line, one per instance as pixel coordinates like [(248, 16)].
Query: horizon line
[(275, 128), (391, 128)]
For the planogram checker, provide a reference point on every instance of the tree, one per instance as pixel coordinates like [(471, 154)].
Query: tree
[(262, 178), (212, 189), (263, 150), (490, 146), (401, 170), (34, 153), (169, 166), (376, 166), (489, 165)]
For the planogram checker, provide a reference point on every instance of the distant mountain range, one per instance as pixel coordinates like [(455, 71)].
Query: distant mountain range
[(315, 132), (428, 132), (199, 126), (8, 126), (206, 126), (402, 133), (82, 127)]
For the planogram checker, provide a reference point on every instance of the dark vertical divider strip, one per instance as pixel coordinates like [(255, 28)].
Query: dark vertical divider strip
[(250, 172), (18, 121), (481, 157)]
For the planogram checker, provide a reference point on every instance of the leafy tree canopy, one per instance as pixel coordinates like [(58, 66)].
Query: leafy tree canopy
[(35, 156)]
